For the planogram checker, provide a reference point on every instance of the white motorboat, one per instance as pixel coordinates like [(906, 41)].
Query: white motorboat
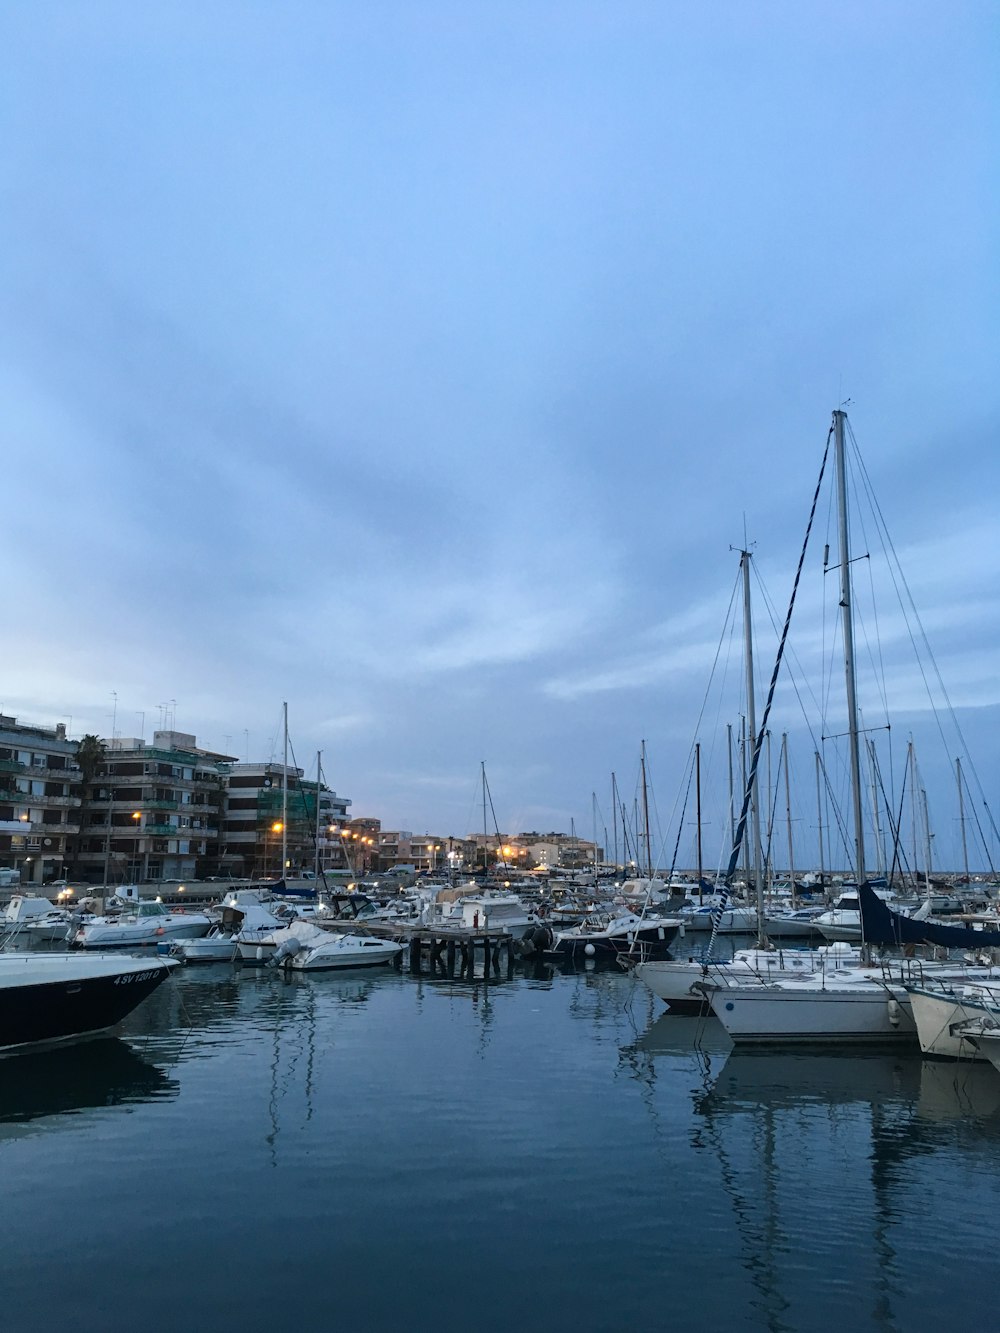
[(491, 913), (260, 947), (607, 936), (46, 997), (139, 925), (842, 921), (250, 922), (792, 923), (338, 951), (33, 918), (733, 918)]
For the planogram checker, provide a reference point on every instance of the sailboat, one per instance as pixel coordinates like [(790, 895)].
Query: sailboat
[(866, 1004)]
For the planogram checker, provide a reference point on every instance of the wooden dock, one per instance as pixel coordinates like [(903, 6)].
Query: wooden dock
[(448, 951)]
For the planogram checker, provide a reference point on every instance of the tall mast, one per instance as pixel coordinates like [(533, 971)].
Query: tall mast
[(319, 772), (697, 791), (645, 817), (876, 823), (732, 808), (848, 628), (614, 814), (961, 818), (912, 759), (486, 827), (752, 737), (819, 813), (284, 796), (927, 837), (788, 813), (593, 812)]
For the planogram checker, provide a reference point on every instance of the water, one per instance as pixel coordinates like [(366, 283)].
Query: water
[(371, 1151)]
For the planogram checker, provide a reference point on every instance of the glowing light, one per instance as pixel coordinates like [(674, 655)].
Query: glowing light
[(277, 827)]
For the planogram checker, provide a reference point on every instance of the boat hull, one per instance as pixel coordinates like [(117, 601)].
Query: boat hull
[(73, 1005), (653, 941), (771, 1015), (329, 959), (141, 935), (939, 1019)]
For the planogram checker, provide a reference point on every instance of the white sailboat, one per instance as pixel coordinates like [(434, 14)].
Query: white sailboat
[(869, 1004)]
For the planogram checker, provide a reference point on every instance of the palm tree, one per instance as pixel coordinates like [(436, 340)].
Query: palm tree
[(90, 753)]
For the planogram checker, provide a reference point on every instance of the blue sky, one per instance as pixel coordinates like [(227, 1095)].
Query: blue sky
[(420, 364)]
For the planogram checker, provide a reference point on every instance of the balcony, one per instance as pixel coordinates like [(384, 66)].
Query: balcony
[(158, 830), (159, 805), (11, 766)]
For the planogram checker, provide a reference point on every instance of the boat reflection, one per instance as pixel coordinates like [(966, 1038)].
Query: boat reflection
[(38, 1086)]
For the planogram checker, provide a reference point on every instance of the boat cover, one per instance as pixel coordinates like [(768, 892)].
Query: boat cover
[(881, 925)]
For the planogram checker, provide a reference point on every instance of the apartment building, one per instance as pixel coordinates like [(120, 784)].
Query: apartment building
[(271, 817), (40, 799), (153, 811)]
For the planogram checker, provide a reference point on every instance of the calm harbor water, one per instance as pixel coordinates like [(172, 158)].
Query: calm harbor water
[(371, 1151)]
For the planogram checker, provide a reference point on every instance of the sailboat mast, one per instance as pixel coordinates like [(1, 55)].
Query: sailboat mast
[(819, 814), (319, 771), (284, 796), (645, 816), (788, 813), (927, 837), (732, 808), (614, 813), (961, 818), (752, 737), (876, 821), (593, 812), (486, 827), (697, 793), (912, 758), (847, 613)]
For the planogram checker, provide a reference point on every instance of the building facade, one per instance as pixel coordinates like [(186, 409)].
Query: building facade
[(153, 811), (40, 800), (271, 827)]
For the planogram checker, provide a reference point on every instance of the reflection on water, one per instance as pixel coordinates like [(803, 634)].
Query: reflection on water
[(64, 1080), (558, 1136)]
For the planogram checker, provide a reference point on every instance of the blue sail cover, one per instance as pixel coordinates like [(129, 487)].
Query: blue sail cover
[(881, 925)]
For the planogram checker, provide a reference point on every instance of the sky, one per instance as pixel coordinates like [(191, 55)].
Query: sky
[(423, 365)]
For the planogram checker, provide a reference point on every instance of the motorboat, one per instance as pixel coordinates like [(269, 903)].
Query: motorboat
[(139, 925), (489, 913), (33, 918), (247, 923), (47, 997), (842, 921), (721, 913), (792, 923), (260, 947), (605, 935), (336, 951)]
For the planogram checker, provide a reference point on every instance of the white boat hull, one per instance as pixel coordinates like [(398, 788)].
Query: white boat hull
[(219, 950), (939, 1019), (347, 952), (142, 934), (768, 1014), (734, 921), (680, 984)]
